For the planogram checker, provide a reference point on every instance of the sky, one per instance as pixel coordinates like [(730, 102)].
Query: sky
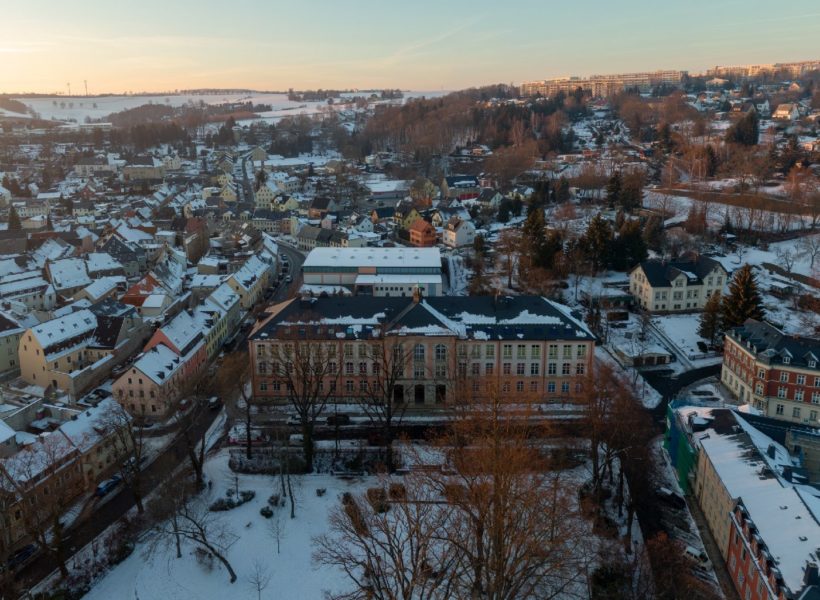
[(122, 46)]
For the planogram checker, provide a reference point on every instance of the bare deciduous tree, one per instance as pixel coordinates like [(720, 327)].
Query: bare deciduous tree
[(259, 579), (392, 554), (306, 368), (128, 439), (188, 518)]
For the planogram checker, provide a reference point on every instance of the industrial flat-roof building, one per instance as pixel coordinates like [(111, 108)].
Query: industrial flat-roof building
[(376, 271)]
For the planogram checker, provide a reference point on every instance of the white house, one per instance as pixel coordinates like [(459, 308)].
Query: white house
[(786, 112), (458, 232), (676, 286)]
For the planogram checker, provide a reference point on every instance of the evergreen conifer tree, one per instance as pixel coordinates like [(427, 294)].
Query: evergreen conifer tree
[(613, 189), (14, 220), (743, 300), (710, 319)]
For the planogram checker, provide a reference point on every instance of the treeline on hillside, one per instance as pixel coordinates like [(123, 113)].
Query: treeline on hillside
[(13, 105), (425, 127), (147, 113)]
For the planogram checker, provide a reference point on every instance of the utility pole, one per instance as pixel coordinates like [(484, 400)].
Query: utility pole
[(85, 81), (68, 85)]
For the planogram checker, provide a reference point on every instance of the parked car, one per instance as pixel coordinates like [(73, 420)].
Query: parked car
[(106, 486), (697, 556), (294, 420), (288, 279), (338, 419), (22, 556), (214, 403)]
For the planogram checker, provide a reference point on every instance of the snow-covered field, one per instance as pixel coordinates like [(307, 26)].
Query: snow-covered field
[(78, 108), (158, 575)]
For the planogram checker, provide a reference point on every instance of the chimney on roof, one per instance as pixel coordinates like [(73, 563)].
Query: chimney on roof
[(417, 295), (810, 574)]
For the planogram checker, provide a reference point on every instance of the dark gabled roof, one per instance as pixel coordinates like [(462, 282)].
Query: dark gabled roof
[(768, 342), (7, 324), (487, 194), (119, 250), (309, 232), (661, 273), (107, 332), (111, 308), (481, 318), (384, 212), (321, 203)]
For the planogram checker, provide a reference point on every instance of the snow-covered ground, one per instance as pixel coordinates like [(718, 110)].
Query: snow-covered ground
[(293, 576), (78, 108)]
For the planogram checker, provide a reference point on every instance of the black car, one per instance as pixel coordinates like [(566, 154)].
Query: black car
[(21, 557), (338, 420)]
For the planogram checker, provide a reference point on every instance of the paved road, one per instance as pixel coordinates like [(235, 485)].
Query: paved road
[(122, 502), (669, 385), (295, 260)]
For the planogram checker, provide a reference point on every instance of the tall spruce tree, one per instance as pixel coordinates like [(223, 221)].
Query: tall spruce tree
[(613, 189), (743, 300), (597, 242), (14, 220), (710, 327)]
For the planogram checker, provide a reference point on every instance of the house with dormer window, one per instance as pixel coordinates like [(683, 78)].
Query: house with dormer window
[(778, 374), (661, 286)]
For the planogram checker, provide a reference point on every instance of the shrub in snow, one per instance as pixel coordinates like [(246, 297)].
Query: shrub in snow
[(222, 504), (246, 496), (377, 498), (354, 512), (266, 511), (320, 492), (275, 500), (397, 491)]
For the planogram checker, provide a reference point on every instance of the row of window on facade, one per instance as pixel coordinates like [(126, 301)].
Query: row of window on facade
[(440, 351), (365, 387)]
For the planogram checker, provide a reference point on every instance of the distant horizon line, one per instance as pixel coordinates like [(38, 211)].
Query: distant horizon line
[(245, 90)]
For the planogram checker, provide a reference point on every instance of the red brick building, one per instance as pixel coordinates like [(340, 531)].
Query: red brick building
[(776, 373)]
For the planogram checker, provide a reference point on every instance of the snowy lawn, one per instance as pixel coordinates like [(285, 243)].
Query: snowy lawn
[(160, 574)]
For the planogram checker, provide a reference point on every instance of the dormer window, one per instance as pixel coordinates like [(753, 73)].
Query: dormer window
[(812, 364), (786, 360)]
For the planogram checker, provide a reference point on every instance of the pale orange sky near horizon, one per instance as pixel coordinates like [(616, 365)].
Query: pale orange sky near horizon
[(163, 46)]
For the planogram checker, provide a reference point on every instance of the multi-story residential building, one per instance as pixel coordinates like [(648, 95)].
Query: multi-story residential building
[(46, 476), (603, 85), (767, 528), (250, 281), (422, 234), (28, 288), (676, 286), (184, 335), (458, 233), (151, 387), (444, 349), (778, 374), (77, 351), (376, 271), (10, 332)]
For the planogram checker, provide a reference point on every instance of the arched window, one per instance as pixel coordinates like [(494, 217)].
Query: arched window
[(441, 352), (418, 352)]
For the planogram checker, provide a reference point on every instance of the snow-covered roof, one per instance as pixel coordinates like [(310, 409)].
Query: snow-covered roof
[(100, 287), (224, 296), (68, 273), (56, 331), (780, 515), (373, 257), (159, 363), (101, 261), (181, 331), (6, 432)]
